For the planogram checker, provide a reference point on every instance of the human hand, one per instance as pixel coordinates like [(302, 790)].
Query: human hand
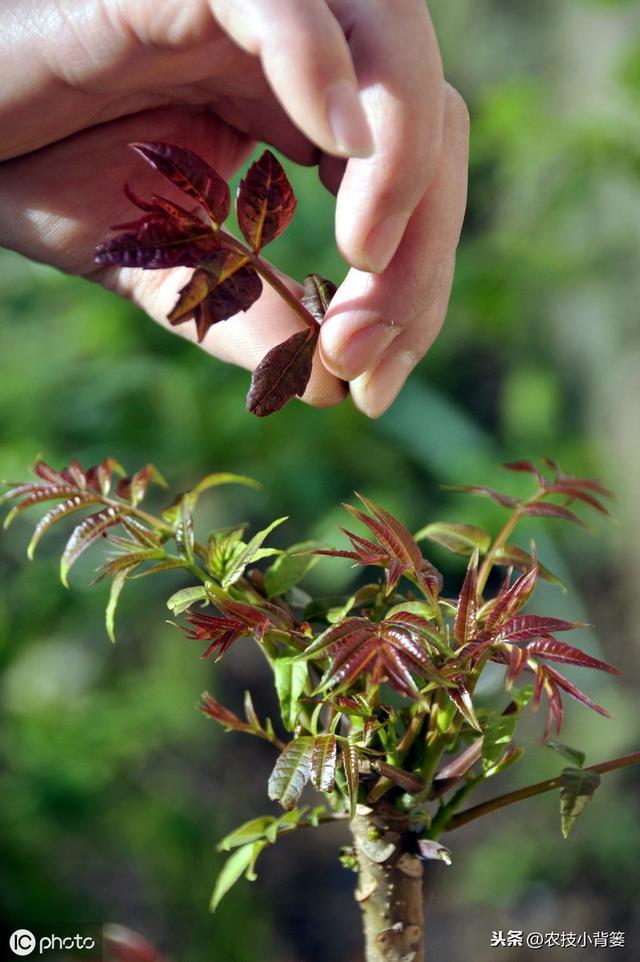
[(262, 70)]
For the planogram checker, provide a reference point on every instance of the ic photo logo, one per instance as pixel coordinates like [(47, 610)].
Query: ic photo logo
[(22, 942)]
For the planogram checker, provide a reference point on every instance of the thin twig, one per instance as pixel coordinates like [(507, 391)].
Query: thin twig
[(493, 804)]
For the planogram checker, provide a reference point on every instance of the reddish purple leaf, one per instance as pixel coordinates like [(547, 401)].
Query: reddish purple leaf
[(220, 288), (503, 499), (238, 620), (569, 489), (384, 652), (158, 242), (554, 650), (266, 202), (282, 374), (542, 509), (209, 706), (555, 677), (465, 624), (528, 467), (524, 627), (461, 698), (191, 174), (391, 533), (511, 600)]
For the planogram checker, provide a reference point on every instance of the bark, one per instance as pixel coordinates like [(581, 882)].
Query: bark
[(389, 888)]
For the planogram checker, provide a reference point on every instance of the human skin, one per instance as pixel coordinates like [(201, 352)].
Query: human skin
[(353, 86)]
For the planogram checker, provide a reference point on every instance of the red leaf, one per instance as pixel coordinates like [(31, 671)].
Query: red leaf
[(209, 706), (282, 374), (464, 626), (220, 288), (238, 620), (566, 685), (545, 510), (524, 627), (527, 466), (517, 663), (504, 499), (266, 202), (572, 491), (555, 650), (84, 535), (383, 651), (464, 703), (509, 601), (157, 242), (47, 473), (191, 174), (402, 542)]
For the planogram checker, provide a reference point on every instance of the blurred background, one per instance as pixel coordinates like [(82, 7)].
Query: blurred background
[(113, 789)]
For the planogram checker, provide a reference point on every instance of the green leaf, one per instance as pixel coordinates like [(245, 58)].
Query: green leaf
[(242, 862), (224, 548), (290, 678), (323, 762), (222, 477), (571, 754), (186, 597), (577, 788), (291, 772), (522, 696), (498, 732), (420, 608), (513, 754), (117, 584), (249, 832), (290, 568), (340, 612), (172, 512), (248, 554), (459, 538), (351, 766)]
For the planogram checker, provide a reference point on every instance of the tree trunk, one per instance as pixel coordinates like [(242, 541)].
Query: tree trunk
[(389, 888)]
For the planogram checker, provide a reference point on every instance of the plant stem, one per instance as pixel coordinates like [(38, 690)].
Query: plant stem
[(493, 804), (287, 296), (502, 538), (389, 889), (270, 276)]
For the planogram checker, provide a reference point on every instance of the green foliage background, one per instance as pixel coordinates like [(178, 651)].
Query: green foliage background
[(113, 790)]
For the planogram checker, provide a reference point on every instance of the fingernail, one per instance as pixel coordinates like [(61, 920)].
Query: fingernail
[(362, 350), (351, 133), (375, 392), (383, 241)]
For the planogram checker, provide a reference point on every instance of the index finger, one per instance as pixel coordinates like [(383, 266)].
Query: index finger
[(399, 69)]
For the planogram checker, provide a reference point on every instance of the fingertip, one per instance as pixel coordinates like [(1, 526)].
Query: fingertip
[(375, 391), (349, 126)]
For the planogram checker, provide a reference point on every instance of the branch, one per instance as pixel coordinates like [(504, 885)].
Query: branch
[(477, 811)]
